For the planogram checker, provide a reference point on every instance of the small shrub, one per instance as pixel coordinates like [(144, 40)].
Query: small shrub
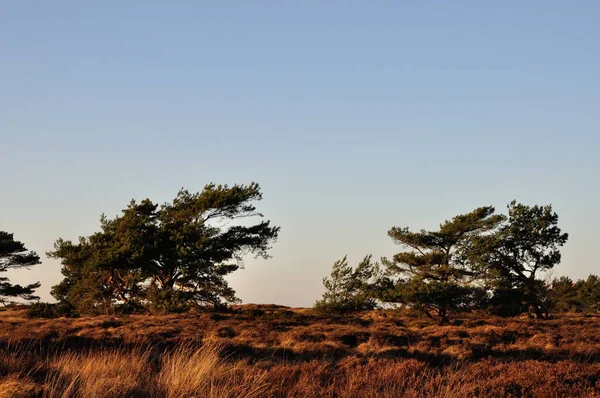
[(130, 308), (49, 310)]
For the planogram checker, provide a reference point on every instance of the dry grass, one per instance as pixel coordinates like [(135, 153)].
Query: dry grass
[(276, 352), (107, 373), (184, 371), (189, 372)]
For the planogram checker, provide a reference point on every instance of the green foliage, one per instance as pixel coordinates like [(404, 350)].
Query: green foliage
[(14, 255), (437, 296), (588, 294), (166, 257), (565, 295), (436, 274), (348, 289), (526, 245)]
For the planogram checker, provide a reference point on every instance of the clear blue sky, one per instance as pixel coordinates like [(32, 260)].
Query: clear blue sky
[(353, 116)]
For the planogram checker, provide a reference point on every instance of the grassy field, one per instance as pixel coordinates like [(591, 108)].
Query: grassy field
[(269, 351)]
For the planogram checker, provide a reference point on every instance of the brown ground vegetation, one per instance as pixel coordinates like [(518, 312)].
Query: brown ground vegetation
[(271, 351)]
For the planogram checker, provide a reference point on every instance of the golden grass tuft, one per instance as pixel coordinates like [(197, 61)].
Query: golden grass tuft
[(193, 372), (96, 374), (16, 386)]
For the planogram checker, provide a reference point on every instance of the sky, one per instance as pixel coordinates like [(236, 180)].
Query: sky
[(354, 117)]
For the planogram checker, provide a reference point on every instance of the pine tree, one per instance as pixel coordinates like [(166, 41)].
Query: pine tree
[(525, 246), (435, 274), (349, 289), (14, 255), (165, 257)]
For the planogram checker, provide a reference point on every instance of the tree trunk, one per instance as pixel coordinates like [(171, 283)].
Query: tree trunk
[(534, 299)]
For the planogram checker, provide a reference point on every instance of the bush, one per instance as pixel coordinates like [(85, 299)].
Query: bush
[(49, 310), (129, 308)]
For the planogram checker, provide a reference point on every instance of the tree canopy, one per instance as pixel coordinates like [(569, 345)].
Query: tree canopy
[(525, 246), (435, 272), (14, 255), (350, 289), (166, 257)]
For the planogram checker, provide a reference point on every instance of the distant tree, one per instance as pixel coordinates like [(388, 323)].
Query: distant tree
[(520, 250), (564, 295), (588, 294), (14, 255), (166, 257), (436, 274), (349, 289)]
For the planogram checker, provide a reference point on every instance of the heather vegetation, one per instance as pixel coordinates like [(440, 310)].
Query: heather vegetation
[(271, 351)]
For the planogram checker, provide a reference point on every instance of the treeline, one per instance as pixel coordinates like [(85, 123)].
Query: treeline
[(566, 295), (175, 256), (476, 261)]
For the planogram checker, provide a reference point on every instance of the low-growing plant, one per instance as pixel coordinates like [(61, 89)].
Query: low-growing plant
[(49, 310)]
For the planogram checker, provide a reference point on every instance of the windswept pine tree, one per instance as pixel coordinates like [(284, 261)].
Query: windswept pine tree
[(14, 255), (527, 245), (166, 257), (434, 273)]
